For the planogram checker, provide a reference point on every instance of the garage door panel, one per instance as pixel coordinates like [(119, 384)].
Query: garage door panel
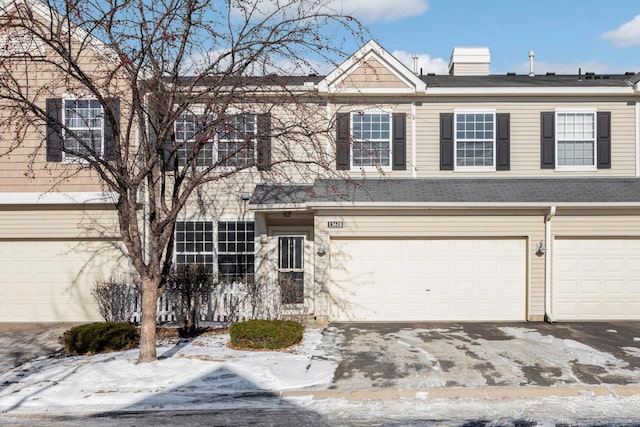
[(428, 279), (45, 281), (604, 284)]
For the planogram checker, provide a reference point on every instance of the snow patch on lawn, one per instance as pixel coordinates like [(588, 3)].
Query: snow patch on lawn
[(204, 366)]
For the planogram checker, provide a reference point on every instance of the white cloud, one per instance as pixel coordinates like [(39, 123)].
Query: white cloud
[(425, 62), (380, 10), (364, 10), (627, 34)]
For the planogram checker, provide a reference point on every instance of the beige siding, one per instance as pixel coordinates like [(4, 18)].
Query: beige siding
[(590, 225), (390, 106), (23, 165), (446, 224), (460, 69), (525, 134), (371, 74), (58, 223)]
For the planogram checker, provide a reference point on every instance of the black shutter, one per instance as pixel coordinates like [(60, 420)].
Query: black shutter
[(446, 141), (109, 131), (604, 140), (264, 142), (547, 140), (399, 141), (166, 146), (343, 147), (54, 129), (503, 142)]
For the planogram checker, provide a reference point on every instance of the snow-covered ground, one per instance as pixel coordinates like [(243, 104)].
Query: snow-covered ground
[(204, 373)]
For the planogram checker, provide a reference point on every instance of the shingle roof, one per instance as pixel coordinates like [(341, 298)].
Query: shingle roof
[(444, 80), (281, 194), (458, 190), (596, 80)]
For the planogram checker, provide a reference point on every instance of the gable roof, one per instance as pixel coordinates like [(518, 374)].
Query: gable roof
[(439, 192), (400, 79), (51, 15)]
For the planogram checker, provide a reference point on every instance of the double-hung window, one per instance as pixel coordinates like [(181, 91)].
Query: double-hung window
[(236, 140), (576, 139), (236, 251), (84, 128), (371, 135), (475, 140), (231, 143), (195, 244), (192, 137)]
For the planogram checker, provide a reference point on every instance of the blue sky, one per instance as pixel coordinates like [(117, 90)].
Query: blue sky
[(598, 36)]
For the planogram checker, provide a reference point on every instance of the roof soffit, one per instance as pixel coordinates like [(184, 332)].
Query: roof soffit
[(336, 81)]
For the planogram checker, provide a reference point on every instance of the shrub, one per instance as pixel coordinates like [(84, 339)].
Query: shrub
[(265, 334), (188, 287), (116, 298), (99, 337)]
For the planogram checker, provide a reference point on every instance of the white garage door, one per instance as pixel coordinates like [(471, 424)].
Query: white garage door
[(596, 279), (428, 279), (51, 281)]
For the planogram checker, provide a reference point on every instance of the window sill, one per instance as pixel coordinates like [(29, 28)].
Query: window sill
[(576, 169), (476, 169)]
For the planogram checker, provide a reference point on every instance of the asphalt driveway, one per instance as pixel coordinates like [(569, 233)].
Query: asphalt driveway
[(418, 356)]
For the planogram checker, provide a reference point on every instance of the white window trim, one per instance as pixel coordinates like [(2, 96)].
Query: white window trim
[(215, 252), (457, 168), (199, 111), (353, 167), (69, 158), (577, 168)]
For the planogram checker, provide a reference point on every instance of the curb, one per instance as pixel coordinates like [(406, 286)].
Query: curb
[(486, 393)]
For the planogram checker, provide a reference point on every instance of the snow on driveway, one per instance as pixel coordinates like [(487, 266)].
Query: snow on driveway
[(204, 373)]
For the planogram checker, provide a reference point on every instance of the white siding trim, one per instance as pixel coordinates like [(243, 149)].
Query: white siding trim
[(57, 198), (414, 139), (637, 138)]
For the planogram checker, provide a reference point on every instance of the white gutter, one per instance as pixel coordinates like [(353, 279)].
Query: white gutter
[(414, 139), (373, 205), (548, 311)]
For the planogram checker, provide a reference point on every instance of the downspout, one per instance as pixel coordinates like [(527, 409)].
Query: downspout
[(548, 314), (414, 170), (146, 229), (637, 139)]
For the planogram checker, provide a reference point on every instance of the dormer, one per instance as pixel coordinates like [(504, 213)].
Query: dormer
[(470, 61), (372, 70)]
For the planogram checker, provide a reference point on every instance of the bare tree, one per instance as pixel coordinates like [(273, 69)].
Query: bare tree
[(150, 64)]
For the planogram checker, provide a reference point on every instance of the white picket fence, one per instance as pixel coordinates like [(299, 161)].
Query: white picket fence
[(227, 303)]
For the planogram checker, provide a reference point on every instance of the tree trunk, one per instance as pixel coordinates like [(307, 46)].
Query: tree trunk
[(148, 321)]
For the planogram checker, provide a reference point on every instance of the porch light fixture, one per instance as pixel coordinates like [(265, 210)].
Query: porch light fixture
[(321, 250), (245, 197), (542, 248)]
